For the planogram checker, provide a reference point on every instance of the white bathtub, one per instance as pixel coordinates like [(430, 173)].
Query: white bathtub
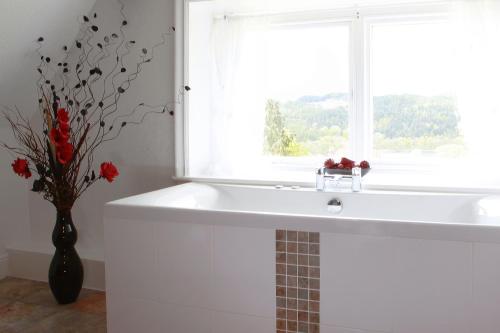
[(201, 258), (466, 217)]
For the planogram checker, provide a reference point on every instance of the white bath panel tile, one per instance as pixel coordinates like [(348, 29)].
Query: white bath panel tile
[(356, 281), (129, 315), (336, 329), (243, 271), (182, 319), (184, 255), (433, 286), (486, 288), (235, 323), (130, 258)]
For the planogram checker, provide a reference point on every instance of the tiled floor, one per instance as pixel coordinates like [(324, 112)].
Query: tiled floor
[(29, 307)]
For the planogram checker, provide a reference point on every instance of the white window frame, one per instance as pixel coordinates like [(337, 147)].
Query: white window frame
[(361, 21)]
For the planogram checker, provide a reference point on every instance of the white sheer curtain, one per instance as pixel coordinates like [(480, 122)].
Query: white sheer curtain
[(477, 27), (237, 104)]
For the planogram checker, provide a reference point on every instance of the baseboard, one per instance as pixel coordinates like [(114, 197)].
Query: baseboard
[(4, 265), (35, 266)]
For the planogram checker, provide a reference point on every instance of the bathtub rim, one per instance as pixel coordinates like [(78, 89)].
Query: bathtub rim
[(461, 232)]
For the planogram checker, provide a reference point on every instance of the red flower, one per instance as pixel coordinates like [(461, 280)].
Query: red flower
[(62, 116), (64, 128), (21, 168), (64, 153), (58, 137), (109, 171)]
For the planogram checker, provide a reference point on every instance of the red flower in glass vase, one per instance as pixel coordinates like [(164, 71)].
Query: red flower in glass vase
[(21, 168), (109, 171)]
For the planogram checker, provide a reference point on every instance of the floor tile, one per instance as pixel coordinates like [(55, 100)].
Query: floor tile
[(29, 307)]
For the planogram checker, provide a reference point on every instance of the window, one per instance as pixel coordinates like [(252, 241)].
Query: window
[(277, 88)]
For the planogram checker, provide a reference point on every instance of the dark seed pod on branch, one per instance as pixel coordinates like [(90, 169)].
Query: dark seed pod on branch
[(95, 28), (65, 48), (78, 44), (123, 70), (85, 18), (102, 124), (188, 88), (171, 113), (101, 104), (124, 23), (40, 39), (124, 124), (87, 179), (40, 100), (47, 59), (88, 105), (70, 102), (84, 83), (47, 81), (83, 112), (93, 175), (114, 36), (59, 64), (99, 45), (40, 169), (78, 85), (121, 90), (65, 70), (38, 185), (144, 51), (39, 70)]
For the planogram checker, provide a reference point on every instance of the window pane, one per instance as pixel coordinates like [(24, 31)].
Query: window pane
[(414, 105), (268, 100), (307, 91)]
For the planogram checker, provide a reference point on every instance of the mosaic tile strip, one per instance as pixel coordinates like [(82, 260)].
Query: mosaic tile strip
[(297, 281)]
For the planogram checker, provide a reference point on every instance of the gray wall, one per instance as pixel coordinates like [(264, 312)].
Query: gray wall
[(144, 155)]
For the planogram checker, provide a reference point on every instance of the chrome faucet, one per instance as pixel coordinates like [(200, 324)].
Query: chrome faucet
[(324, 179)]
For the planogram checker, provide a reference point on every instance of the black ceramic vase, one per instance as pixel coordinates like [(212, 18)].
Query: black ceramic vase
[(66, 269)]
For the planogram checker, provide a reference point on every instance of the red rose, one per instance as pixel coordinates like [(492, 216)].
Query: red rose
[(329, 164), (58, 137), (347, 163), (364, 165), (62, 116), (21, 168), (64, 153), (64, 128), (109, 171)]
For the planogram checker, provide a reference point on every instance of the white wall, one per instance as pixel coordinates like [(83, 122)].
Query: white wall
[(144, 154)]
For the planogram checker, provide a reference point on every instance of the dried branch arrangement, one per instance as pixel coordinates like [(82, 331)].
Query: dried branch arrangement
[(79, 103)]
